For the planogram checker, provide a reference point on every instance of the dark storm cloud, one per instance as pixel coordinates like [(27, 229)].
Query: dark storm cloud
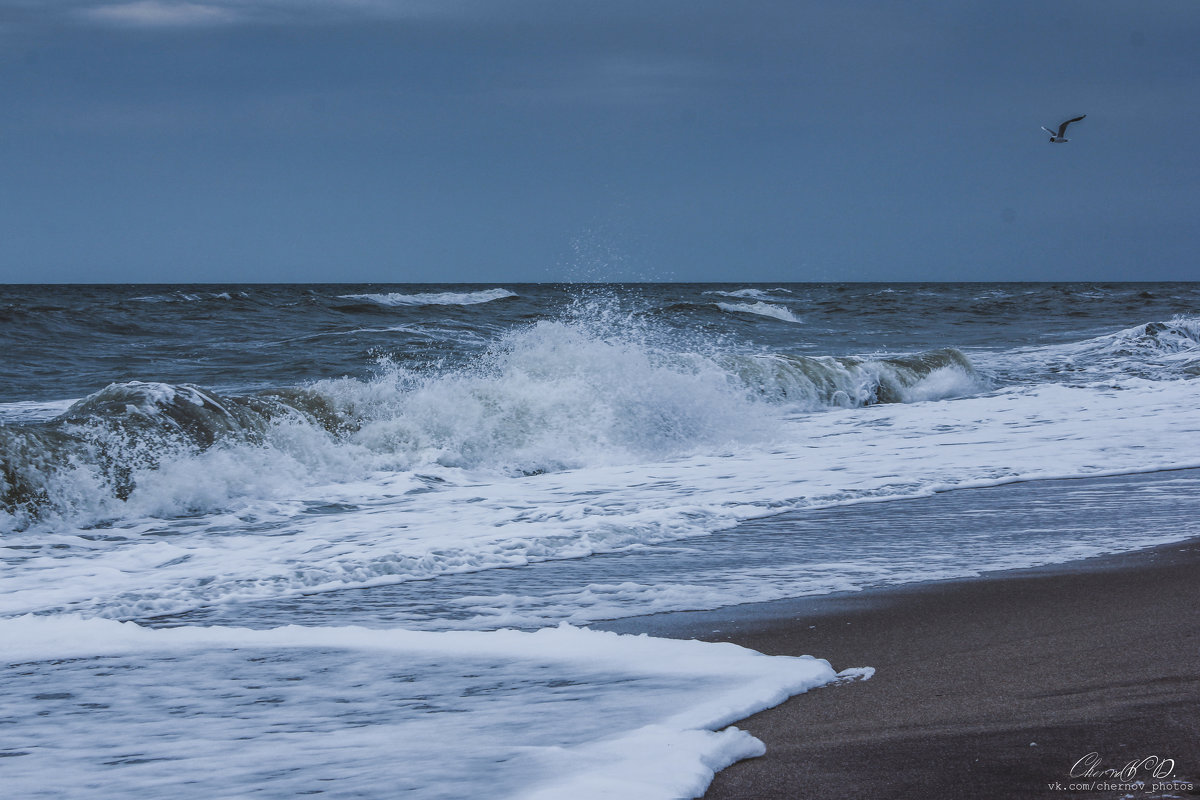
[(537, 140)]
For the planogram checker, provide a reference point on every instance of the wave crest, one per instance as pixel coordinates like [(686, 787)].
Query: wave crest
[(97, 453), (823, 382), (760, 308)]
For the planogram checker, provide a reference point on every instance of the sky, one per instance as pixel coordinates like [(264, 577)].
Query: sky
[(503, 141)]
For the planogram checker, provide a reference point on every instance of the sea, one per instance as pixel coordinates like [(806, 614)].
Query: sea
[(360, 541)]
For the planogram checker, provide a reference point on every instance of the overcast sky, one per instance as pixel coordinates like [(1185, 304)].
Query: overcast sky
[(546, 140)]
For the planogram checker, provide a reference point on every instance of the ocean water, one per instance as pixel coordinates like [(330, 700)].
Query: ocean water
[(275, 540)]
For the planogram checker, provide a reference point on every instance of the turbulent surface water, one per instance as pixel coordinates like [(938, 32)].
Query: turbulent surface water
[(475, 457)]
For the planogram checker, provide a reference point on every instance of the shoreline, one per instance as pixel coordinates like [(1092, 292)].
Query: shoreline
[(992, 686)]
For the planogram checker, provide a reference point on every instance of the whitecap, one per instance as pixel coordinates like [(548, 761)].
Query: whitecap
[(433, 298)]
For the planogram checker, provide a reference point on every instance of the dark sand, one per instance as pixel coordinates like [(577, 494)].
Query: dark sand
[(985, 688)]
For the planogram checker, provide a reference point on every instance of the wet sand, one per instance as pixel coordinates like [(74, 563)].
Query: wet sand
[(993, 687)]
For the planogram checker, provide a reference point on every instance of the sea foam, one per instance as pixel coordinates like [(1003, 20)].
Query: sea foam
[(394, 526), (277, 712)]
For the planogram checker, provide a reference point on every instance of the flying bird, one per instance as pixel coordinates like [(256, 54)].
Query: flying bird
[(1059, 137)]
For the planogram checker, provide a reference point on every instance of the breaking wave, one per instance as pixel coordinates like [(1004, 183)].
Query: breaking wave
[(551, 396), (1179, 335), (94, 458), (813, 383)]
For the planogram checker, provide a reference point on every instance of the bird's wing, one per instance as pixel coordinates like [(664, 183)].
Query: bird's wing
[(1047, 130), (1063, 128)]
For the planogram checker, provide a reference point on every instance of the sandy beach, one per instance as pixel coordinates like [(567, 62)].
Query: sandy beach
[(999, 686)]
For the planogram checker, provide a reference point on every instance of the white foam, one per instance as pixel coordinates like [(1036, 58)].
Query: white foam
[(114, 710), (433, 298), (396, 526), (942, 384), (813, 553)]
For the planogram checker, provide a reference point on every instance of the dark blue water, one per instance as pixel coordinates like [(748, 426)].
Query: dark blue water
[(63, 342)]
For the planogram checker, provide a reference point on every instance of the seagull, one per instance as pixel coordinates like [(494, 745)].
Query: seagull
[(1058, 138)]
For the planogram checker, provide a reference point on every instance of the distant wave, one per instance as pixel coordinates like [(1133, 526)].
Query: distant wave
[(188, 297), (762, 309), (433, 298), (752, 294)]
